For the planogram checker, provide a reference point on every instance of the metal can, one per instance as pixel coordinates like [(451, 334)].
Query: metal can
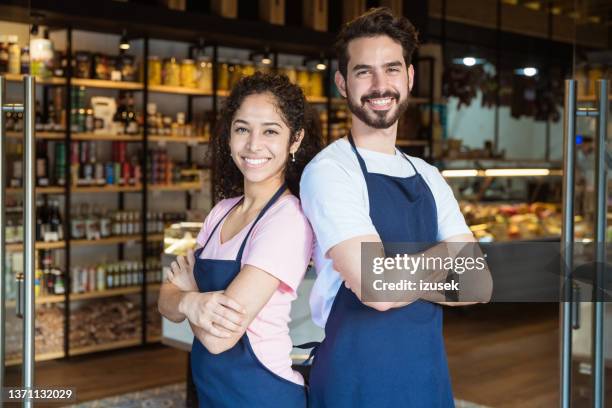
[(188, 73), (154, 70), (172, 72)]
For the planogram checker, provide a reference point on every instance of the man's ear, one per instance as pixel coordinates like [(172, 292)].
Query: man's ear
[(340, 83), (410, 77)]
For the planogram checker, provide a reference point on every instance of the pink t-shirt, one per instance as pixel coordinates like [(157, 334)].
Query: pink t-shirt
[(280, 244)]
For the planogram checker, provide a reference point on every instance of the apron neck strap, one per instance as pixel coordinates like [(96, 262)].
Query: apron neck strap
[(269, 204), (364, 169), (217, 225)]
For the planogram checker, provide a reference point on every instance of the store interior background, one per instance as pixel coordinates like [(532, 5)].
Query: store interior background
[(500, 354)]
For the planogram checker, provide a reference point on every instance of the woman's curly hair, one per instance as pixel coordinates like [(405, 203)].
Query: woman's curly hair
[(297, 114)]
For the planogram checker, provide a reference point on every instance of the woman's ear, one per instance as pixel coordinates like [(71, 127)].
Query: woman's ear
[(298, 141)]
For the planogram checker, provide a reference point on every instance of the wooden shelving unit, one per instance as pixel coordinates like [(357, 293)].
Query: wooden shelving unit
[(39, 80), (86, 242), (37, 357), (179, 90), (39, 246), (136, 188), (176, 187), (190, 140), (408, 143), (38, 190), (39, 135), (106, 137), (104, 346), (104, 84), (589, 98), (40, 300)]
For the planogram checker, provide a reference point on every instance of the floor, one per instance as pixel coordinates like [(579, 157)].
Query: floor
[(500, 355)]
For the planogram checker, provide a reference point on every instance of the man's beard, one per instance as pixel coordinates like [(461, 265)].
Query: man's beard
[(380, 121)]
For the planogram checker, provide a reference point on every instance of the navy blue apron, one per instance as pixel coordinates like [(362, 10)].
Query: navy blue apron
[(394, 358), (236, 378)]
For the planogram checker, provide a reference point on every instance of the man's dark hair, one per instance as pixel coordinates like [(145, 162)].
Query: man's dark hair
[(375, 22)]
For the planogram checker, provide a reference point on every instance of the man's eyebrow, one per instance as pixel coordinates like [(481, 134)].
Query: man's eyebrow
[(387, 65), (361, 66)]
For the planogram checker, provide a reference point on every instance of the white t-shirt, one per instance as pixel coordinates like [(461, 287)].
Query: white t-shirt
[(334, 198)]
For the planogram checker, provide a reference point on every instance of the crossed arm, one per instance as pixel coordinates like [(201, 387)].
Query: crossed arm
[(348, 264), (217, 319)]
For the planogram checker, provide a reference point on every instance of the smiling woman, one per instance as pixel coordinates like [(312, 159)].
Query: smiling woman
[(236, 290), (272, 104)]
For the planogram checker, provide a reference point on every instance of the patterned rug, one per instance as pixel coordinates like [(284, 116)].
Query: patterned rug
[(168, 396), (171, 396)]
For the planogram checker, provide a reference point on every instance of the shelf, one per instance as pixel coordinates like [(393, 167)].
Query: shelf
[(105, 346), (106, 137), (105, 84), (406, 143), (153, 286), (190, 140), (106, 293), (39, 246), (40, 300), (176, 187), (39, 135), (39, 80), (107, 189), (39, 190), (317, 99), (37, 357), (154, 339), (180, 90), (106, 241)]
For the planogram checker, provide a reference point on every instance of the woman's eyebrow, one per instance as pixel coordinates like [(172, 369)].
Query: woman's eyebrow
[(240, 121), (271, 124)]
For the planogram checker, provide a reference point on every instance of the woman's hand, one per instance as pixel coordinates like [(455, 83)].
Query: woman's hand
[(181, 272), (214, 312)]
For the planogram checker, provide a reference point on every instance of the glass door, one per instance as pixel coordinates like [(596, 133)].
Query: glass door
[(586, 318)]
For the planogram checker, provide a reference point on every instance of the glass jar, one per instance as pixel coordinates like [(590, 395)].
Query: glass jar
[(223, 78), (172, 72), (235, 73), (204, 74), (303, 80), (316, 83), (154, 70), (291, 73), (248, 68), (188, 73)]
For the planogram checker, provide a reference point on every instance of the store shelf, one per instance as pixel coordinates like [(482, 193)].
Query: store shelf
[(106, 293), (105, 346), (153, 286), (176, 187), (39, 80), (154, 339), (107, 189), (37, 357), (39, 190), (106, 137), (179, 90), (316, 99), (39, 246), (190, 140), (408, 143), (39, 135), (40, 300), (106, 241), (104, 84)]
